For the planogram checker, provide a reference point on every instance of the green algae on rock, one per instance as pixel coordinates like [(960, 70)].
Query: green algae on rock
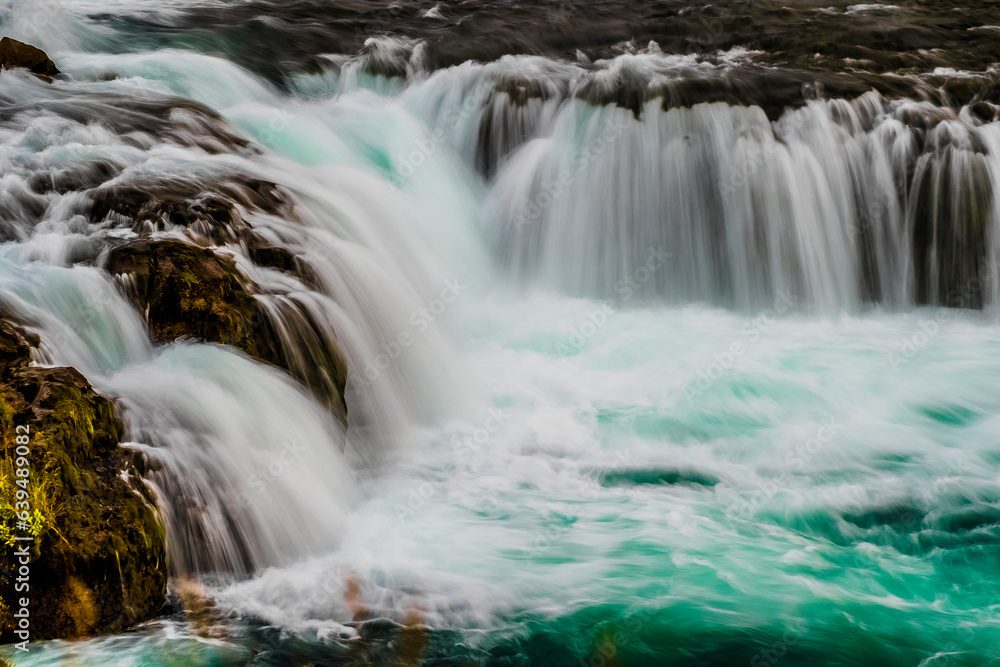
[(98, 559), (185, 291)]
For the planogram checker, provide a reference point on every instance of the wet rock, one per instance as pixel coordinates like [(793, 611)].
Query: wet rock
[(73, 177), (628, 90), (189, 292), (98, 555), (141, 118), (958, 91), (185, 291), (209, 209), (508, 117), (15, 54), (777, 90), (984, 111), (272, 257), (200, 610), (899, 39), (522, 89), (924, 116)]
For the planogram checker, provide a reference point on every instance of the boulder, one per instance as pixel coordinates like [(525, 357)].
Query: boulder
[(14, 54), (189, 292), (185, 291), (98, 555)]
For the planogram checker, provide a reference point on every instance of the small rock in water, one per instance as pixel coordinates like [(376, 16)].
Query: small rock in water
[(18, 54), (985, 111)]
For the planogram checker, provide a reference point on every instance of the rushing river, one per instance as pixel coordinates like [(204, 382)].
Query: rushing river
[(630, 383)]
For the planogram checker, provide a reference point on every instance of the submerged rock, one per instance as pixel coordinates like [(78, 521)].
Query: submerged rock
[(15, 54), (200, 609), (98, 554)]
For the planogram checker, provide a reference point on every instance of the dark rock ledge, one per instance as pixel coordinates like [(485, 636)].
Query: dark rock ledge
[(193, 291)]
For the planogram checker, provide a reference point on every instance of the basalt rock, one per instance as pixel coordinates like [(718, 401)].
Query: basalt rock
[(15, 54), (97, 558)]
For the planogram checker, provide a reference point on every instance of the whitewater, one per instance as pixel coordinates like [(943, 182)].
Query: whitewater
[(628, 385)]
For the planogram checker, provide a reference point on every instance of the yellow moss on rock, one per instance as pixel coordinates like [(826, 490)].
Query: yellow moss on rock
[(187, 291), (79, 605), (97, 538)]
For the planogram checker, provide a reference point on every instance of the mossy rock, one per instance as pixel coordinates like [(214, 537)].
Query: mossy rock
[(98, 556), (189, 292), (185, 291)]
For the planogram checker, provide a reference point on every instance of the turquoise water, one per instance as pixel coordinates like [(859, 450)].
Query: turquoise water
[(811, 504), (798, 479)]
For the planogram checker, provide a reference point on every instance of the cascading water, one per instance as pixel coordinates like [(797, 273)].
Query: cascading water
[(242, 486), (725, 386), (214, 443), (821, 203)]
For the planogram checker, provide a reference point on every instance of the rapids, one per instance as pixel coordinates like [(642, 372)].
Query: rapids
[(631, 381)]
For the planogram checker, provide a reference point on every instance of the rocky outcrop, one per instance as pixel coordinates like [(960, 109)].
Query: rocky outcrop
[(15, 54), (897, 41), (210, 209), (98, 553), (189, 292), (140, 118), (193, 291)]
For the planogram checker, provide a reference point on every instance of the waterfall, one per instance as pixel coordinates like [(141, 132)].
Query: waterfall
[(845, 203), (620, 353), (842, 203), (250, 470)]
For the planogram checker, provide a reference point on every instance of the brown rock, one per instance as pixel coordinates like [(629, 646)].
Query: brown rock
[(15, 54), (185, 291), (98, 554)]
